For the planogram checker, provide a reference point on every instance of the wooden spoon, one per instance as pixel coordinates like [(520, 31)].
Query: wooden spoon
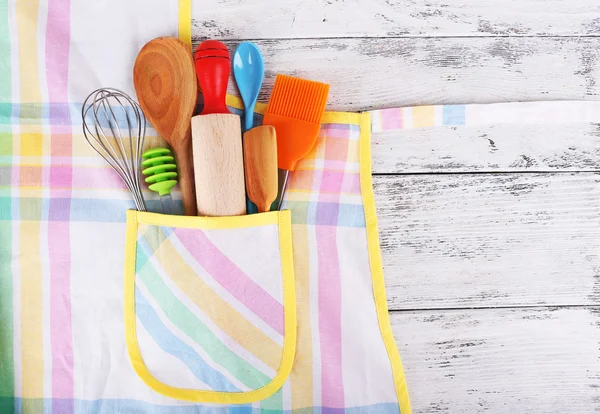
[(165, 83), (260, 161)]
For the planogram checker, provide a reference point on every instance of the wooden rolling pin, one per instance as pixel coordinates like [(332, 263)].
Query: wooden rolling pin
[(218, 165), (217, 138)]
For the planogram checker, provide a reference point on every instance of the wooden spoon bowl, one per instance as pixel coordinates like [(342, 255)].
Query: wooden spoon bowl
[(165, 84)]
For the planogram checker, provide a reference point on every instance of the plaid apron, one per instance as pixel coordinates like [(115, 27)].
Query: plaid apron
[(105, 309)]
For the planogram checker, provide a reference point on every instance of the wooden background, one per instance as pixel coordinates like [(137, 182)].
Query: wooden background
[(489, 236)]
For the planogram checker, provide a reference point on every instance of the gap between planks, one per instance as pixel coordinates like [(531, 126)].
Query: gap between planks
[(482, 172), (197, 39), (483, 308)]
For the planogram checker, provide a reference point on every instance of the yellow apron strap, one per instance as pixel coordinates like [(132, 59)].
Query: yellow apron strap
[(185, 21)]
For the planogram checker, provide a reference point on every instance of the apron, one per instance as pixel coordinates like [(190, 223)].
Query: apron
[(104, 309)]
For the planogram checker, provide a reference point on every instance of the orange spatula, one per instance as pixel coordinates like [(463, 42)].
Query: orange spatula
[(295, 110)]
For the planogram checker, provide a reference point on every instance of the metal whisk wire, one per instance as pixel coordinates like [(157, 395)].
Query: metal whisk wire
[(104, 108)]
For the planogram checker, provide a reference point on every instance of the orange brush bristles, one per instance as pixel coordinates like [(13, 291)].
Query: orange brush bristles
[(295, 110)]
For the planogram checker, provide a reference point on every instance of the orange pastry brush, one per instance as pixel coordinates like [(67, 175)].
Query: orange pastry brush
[(295, 110)]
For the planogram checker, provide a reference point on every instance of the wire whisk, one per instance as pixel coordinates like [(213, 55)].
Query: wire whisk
[(115, 127)]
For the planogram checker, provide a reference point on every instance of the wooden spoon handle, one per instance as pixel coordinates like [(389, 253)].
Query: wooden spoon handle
[(260, 163), (186, 177)]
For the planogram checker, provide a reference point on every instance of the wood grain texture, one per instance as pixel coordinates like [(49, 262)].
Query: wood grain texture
[(218, 165), (165, 84), (544, 360), (374, 73), (484, 240), (260, 165), (568, 147), (245, 19)]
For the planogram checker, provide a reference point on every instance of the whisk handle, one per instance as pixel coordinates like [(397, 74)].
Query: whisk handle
[(186, 177)]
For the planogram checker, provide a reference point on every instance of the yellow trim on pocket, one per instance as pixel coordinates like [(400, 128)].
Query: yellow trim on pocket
[(207, 223), (366, 189), (283, 220)]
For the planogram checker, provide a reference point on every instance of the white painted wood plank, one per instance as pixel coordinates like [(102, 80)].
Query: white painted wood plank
[(374, 73), (501, 360), (485, 240), (568, 147), (267, 19)]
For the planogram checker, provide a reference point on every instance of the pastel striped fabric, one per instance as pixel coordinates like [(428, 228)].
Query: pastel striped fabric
[(417, 117), (337, 319), (557, 112), (207, 317), (202, 308)]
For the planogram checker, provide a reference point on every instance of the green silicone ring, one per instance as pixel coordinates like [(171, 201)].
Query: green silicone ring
[(160, 170)]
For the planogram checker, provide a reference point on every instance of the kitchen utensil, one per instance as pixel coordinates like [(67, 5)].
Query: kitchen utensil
[(160, 171), (216, 138), (213, 67), (165, 84), (260, 163), (295, 110), (249, 72), (114, 126)]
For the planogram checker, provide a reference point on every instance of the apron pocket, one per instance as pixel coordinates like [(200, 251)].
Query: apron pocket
[(210, 308)]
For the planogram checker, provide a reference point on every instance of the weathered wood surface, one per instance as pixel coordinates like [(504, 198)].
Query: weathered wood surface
[(494, 148), (373, 73), (544, 360), (226, 19), (484, 240)]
